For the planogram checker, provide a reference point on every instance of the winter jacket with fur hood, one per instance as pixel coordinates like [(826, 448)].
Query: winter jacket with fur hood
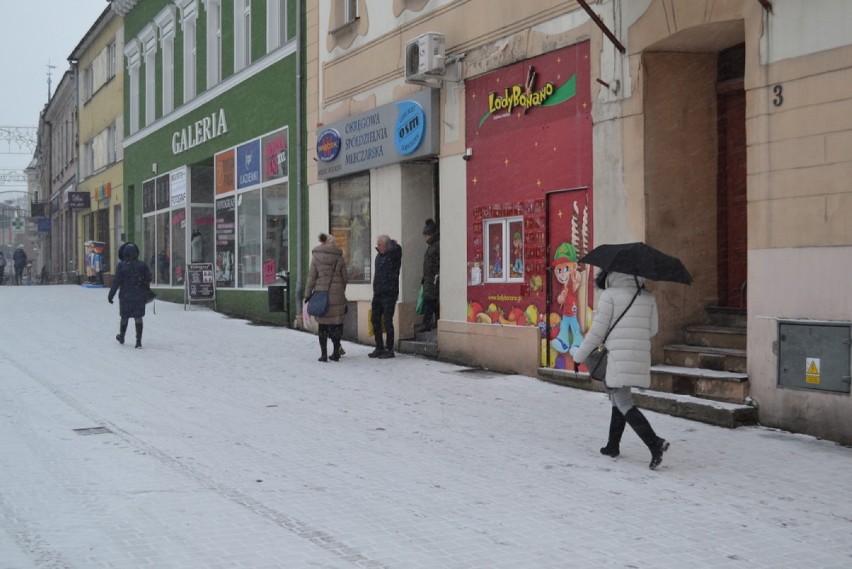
[(328, 272), (629, 343)]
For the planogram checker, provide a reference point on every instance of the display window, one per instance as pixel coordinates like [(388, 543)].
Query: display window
[(504, 255), (350, 223), (232, 212)]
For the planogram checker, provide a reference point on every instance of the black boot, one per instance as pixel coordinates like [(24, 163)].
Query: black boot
[(336, 333), (323, 342), (616, 428), (655, 444), (138, 335), (122, 330)]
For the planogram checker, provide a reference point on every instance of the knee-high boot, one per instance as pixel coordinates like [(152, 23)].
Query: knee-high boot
[(616, 429), (655, 444), (122, 330), (336, 333), (138, 335), (323, 342)]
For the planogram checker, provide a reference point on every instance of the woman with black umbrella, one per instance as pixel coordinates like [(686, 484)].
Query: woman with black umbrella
[(626, 315)]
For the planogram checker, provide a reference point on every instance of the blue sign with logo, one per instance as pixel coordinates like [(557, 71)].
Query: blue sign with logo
[(328, 145), (410, 127), (248, 164)]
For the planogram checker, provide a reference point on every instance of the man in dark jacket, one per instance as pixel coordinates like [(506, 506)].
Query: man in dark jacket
[(385, 294), (431, 268), (20, 258)]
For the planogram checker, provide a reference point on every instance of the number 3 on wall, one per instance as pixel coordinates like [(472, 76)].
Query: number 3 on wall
[(779, 95)]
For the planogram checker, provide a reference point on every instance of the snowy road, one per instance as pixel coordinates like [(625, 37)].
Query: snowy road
[(228, 445)]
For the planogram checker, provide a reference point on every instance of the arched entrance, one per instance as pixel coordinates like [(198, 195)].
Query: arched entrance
[(695, 168)]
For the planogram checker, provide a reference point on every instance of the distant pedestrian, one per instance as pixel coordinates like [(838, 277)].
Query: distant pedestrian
[(385, 294), (328, 272), (132, 278), (20, 259), (629, 355), (2, 267), (431, 270)]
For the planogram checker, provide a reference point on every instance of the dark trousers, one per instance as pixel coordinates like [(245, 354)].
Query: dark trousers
[(430, 312), (384, 306)]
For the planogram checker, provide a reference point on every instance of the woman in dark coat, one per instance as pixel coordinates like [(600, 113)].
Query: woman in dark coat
[(431, 270), (132, 278), (328, 272)]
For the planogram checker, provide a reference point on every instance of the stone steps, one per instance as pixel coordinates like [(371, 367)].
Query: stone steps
[(720, 413)]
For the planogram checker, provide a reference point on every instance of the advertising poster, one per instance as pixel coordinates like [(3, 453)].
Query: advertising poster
[(274, 148), (225, 172)]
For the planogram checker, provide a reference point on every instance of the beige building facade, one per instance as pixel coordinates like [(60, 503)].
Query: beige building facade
[(100, 91), (716, 131)]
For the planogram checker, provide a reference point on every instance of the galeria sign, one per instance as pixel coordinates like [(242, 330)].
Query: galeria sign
[(199, 132)]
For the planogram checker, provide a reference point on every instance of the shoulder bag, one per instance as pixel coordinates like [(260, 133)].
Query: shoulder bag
[(596, 361), (318, 301)]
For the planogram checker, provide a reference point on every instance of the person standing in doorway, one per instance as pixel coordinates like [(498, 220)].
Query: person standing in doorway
[(20, 259), (431, 269), (629, 355), (328, 272), (132, 278), (385, 294)]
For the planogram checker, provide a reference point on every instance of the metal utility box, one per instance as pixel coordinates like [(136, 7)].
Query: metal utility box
[(815, 355)]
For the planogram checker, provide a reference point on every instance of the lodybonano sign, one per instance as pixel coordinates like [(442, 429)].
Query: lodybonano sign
[(399, 131)]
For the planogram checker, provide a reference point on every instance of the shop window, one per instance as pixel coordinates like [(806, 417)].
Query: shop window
[(275, 232), (504, 250), (248, 224), (178, 262), (350, 223), (201, 242), (226, 209), (161, 255)]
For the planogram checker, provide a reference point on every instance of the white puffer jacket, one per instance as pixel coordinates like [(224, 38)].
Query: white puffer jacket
[(629, 343)]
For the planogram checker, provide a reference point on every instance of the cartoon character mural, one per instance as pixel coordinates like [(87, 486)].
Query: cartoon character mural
[(567, 275)]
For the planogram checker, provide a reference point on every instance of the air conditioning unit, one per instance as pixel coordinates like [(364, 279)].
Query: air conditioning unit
[(424, 57)]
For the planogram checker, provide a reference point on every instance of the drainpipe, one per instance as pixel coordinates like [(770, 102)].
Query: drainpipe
[(76, 133), (300, 156)]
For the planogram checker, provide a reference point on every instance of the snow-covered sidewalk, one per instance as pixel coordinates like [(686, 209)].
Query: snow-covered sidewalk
[(228, 445)]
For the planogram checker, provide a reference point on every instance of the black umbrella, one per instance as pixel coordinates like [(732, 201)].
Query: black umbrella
[(638, 259)]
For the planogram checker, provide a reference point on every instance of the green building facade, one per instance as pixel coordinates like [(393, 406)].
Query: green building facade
[(211, 128)]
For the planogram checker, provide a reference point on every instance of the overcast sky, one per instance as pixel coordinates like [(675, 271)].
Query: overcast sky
[(34, 33)]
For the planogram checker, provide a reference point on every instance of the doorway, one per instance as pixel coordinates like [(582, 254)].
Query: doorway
[(732, 204)]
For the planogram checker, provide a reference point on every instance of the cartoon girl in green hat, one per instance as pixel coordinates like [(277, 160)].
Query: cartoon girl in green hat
[(566, 272)]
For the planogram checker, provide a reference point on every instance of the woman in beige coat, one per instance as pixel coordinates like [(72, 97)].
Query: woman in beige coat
[(328, 272)]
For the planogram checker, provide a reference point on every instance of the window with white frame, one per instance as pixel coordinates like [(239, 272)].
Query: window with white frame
[(88, 159), (276, 24), (503, 249), (131, 52), (188, 15), (110, 55), (242, 34), (214, 42), (148, 37), (345, 12), (112, 144), (166, 23), (88, 83)]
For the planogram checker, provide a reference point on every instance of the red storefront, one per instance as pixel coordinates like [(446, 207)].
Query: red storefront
[(529, 199)]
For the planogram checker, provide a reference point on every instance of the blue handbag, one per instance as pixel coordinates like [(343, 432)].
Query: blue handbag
[(318, 303)]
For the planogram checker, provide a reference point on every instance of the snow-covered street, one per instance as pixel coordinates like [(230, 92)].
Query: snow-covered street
[(227, 445)]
